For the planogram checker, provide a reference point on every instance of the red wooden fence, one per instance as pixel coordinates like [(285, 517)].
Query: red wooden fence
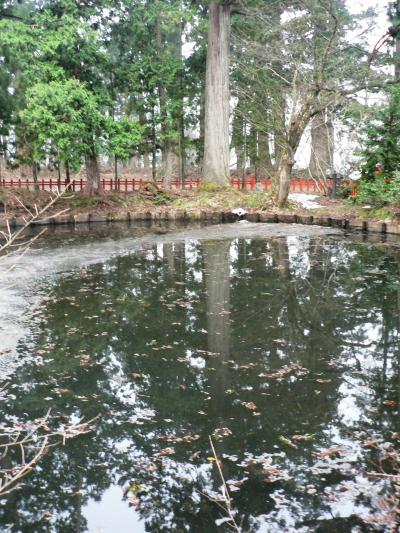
[(122, 184), (305, 185)]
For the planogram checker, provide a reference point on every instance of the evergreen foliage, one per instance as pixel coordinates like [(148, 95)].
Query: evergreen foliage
[(138, 68), (382, 138)]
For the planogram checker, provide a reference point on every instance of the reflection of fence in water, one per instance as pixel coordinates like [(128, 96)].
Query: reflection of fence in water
[(305, 185)]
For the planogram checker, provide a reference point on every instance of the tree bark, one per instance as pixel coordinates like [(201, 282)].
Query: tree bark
[(35, 175), (397, 45), (200, 152), (153, 145), (217, 96), (67, 173), (322, 145), (285, 174), (238, 139), (115, 172), (93, 184), (266, 168), (298, 122)]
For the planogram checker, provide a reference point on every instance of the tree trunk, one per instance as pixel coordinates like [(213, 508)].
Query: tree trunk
[(168, 158), (93, 184), (238, 139), (285, 174), (252, 151), (216, 126), (171, 121), (181, 112), (181, 147), (322, 132), (67, 173), (397, 45), (281, 184), (116, 172), (264, 155), (153, 145), (166, 149), (200, 152), (35, 175)]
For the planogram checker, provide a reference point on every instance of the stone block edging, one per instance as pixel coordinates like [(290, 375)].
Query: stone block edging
[(213, 216)]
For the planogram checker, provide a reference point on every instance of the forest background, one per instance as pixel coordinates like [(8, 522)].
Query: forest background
[(176, 88)]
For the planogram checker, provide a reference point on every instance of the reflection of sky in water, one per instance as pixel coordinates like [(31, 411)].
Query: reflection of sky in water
[(112, 514), (293, 299)]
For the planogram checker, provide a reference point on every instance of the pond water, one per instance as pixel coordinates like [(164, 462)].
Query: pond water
[(280, 342)]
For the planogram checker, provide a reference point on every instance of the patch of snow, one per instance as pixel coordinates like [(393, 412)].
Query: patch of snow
[(306, 200), (239, 211)]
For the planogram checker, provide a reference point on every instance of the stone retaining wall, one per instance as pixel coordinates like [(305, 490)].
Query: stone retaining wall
[(215, 217)]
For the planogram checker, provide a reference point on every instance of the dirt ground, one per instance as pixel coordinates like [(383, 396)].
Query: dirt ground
[(16, 202)]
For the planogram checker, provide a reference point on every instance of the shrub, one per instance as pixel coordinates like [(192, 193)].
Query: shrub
[(380, 191)]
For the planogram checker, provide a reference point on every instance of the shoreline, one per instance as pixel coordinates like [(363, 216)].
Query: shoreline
[(210, 215)]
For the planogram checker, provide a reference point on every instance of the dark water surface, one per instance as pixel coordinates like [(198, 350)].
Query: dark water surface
[(284, 347)]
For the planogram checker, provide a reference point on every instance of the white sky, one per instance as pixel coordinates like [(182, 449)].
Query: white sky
[(381, 23), (346, 143)]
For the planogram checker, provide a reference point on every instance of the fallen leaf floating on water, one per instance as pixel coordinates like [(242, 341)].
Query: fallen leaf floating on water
[(305, 437), (60, 391), (294, 369), (271, 471), (287, 442), (219, 433), (390, 403), (164, 452), (178, 440), (206, 352), (85, 360), (195, 456), (235, 484), (334, 451), (249, 405)]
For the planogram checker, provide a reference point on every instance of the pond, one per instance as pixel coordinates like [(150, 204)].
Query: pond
[(280, 342)]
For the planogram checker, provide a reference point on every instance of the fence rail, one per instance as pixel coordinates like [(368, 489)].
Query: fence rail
[(306, 185)]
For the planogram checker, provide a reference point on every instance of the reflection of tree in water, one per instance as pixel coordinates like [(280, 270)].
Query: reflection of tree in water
[(216, 270), (184, 330)]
